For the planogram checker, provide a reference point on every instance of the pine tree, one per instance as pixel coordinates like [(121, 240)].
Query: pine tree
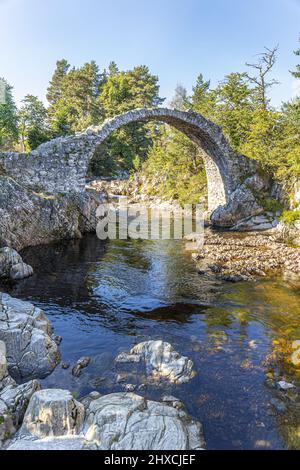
[(263, 67), (78, 105), (296, 73), (123, 91), (55, 86), (233, 111), (33, 127), (8, 117)]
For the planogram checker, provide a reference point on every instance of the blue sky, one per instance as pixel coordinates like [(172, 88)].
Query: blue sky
[(177, 39)]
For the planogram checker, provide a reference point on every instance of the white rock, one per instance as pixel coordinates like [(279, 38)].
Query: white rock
[(26, 331), (283, 385), (161, 360), (51, 413), (3, 364), (119, 421), (61, 443), (8, 258), (13, 399), (126, 421), (20, 271)]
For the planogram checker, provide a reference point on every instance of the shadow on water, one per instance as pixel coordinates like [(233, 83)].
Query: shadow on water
[(104, 297)]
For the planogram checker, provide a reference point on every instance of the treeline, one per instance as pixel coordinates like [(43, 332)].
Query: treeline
[(240, 104)]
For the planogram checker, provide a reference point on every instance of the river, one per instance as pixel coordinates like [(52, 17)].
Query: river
[(104, 297)]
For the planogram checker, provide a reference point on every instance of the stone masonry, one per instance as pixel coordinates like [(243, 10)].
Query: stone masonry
[(61, 165)]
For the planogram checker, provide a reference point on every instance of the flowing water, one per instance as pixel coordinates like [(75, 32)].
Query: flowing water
[(104, 297)]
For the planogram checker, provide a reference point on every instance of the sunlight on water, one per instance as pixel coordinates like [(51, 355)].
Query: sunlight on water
[(105, 297)]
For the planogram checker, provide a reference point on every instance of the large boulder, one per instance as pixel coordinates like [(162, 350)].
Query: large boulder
[(161, 360), (126, 421), (244, 202), (28, 218), (52, 413), (119, 421), (13, 399), (31, 350), (12, 265)]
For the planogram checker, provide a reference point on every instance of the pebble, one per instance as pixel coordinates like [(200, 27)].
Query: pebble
[(283, 385)]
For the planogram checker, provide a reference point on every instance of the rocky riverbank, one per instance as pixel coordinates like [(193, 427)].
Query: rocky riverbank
[(52, 419), (236, 257), (28, 218)]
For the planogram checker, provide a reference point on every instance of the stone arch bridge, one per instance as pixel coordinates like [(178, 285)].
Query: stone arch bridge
[(61, 165)]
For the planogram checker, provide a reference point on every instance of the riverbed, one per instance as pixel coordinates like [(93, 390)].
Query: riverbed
[(104, 297)]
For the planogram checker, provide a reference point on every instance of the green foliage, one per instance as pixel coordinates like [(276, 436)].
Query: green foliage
[(8, 117), (296, 73), (271, 205), (84, 96), (174, 168), (76, 106), (290, 217), (233, 110), (121, 92), (33, 128), (55, 87)]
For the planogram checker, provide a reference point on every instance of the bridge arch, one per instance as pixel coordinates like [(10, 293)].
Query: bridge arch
[(61, 165)]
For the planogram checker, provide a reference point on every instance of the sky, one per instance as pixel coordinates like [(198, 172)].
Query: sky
[(176, 39)]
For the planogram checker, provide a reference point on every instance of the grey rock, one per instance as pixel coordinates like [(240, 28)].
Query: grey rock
[(3, 363), (52, 412), (14, 399), (129, 387), (57, 339), (12, 266), (26, 331), (278, 405), (75, 443), (161, 360), (173, 401), (126, 421), (283, 385), (20, 271), (94, 395), (28, 218), (61, 165), (8, 258), (119, 421), (80, 364), (65, 365)]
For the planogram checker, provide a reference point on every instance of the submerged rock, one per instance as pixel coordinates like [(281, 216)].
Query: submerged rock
[(80, 364), (12, 265), (161, 360), (279, 405), (26, 331), (119, 421)]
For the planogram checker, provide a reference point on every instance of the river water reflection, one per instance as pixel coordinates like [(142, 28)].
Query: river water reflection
[(104, 297)]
